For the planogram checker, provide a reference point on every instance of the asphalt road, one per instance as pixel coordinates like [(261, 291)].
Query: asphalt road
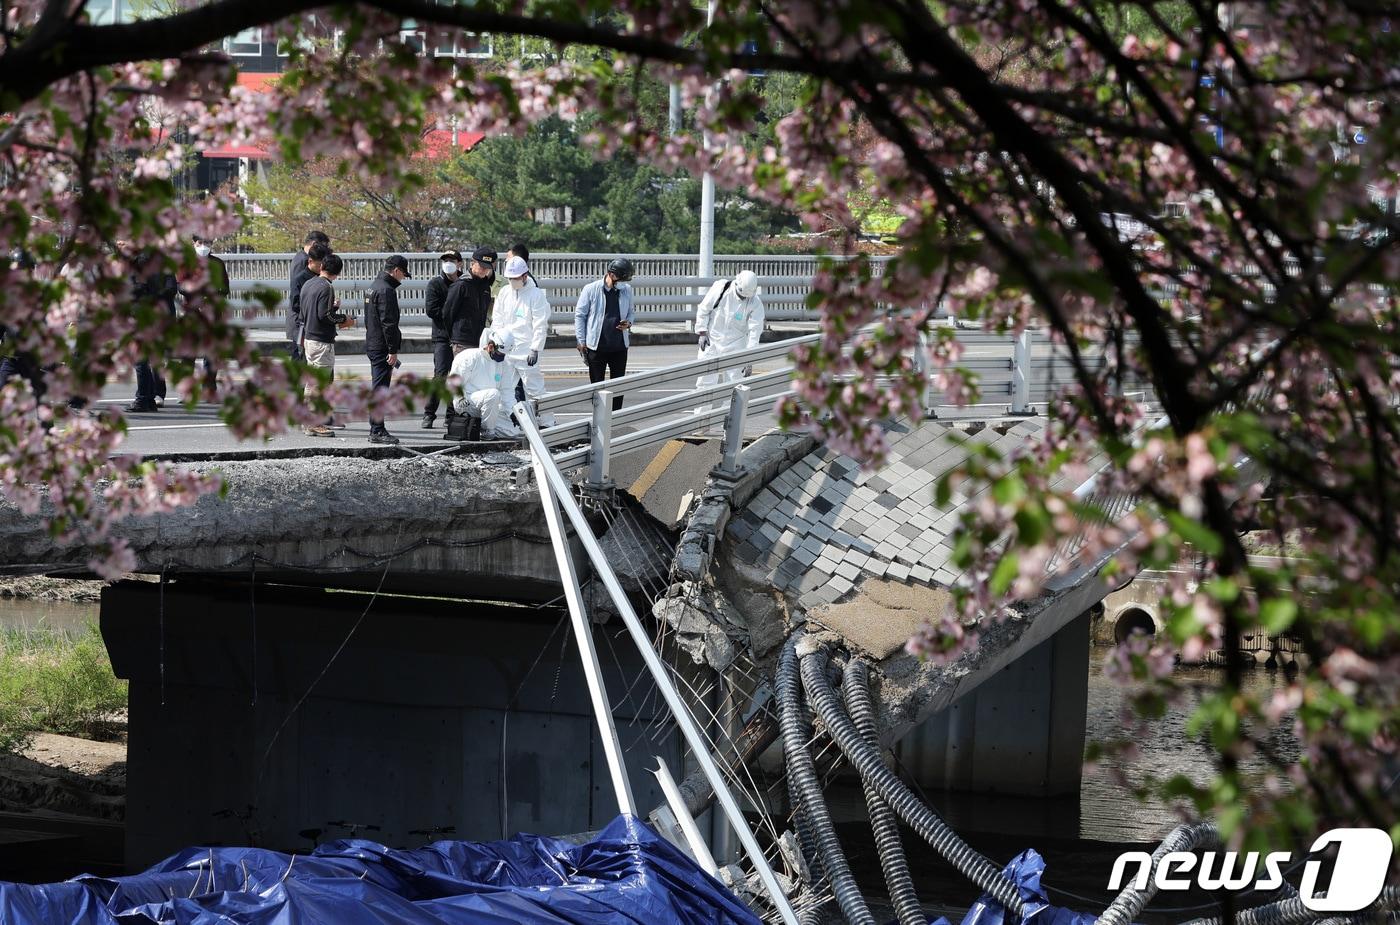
[(174, 430)]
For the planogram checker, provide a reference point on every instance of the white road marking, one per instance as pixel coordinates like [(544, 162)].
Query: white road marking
[(174, 426)]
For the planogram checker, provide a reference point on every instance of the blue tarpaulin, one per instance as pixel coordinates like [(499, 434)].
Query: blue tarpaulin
[(1024, 870), (626, 874)]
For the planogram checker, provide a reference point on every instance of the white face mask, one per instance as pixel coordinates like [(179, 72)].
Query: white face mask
[(517, 282), (448, 267), (202, 250)]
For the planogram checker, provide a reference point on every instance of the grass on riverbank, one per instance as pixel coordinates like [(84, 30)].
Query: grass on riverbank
[(51, 681)]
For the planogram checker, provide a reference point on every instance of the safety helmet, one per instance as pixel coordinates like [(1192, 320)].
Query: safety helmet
[(620, 268), (746, 284)]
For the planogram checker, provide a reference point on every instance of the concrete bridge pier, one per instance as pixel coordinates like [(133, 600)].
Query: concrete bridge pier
[(247, 727), (1021, 732)]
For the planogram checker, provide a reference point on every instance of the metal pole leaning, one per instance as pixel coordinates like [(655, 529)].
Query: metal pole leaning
[(1020, 375), (600, 441), (734, 431), (642, 640), (698, 849), (592, 673)]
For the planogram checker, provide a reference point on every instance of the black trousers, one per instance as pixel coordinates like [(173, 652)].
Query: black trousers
[(614, 362), (442, 364), (379, 374)]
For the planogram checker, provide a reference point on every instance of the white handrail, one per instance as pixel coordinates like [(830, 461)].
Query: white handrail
[(583, 635)]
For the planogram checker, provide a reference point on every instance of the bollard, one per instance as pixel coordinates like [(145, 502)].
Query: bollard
[(1020, 375), (600, 442), (734, 431)]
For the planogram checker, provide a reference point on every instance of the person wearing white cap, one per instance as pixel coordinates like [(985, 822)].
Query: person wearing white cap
[(522, 311), (730, 319), (487, 379)]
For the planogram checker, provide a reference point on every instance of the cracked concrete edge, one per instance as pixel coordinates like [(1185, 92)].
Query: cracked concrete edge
[(760, 463), (264, 506)]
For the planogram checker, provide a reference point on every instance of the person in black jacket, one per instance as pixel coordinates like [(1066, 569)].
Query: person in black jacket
[(468, 307), (382, 336), (299, 273), (435, 301), (151, 283)]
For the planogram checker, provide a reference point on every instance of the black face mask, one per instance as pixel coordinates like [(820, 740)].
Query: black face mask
[(498, 355)]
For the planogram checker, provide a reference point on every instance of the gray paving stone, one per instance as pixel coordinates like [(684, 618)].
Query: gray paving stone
[(898, 571), (909, 530), (768, 534), (876, 567), (847, 570), (811, 581), (878, 530), (921, 573)]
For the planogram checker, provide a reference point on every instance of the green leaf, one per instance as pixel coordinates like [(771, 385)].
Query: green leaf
[(943, 491), (1005, 572), (1276, 614), (1009, 489), (1197, 534)]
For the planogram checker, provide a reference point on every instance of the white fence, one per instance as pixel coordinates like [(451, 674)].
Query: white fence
[(666, 287)]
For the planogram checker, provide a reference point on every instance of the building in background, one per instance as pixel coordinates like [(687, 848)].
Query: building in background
[(260, 57)]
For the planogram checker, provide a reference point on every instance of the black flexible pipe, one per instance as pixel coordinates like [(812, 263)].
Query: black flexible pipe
[(883, 822), (802, 773), (920, 817)]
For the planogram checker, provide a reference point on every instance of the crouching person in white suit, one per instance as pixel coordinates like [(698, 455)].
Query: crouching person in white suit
[(487, 386)]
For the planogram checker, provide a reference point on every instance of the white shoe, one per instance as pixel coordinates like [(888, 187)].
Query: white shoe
[(160, 401)]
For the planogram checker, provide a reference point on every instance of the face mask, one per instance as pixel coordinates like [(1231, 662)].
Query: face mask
[(498, 355), (517, 282), (202, 250), (448, 267)]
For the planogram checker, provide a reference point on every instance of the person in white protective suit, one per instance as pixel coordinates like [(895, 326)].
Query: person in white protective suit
[(730, 319), (521, 310), (487, 385)]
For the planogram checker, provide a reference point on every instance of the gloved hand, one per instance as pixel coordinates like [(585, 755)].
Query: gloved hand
[(533, 358), (704, 341), (746, 372)]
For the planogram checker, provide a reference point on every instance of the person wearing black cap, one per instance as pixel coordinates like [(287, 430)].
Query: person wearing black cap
[(435, 301), (469, 302), (602, 320), (382, 336)]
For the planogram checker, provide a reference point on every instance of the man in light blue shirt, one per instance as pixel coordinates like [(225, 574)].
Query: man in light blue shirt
[(602, 319)]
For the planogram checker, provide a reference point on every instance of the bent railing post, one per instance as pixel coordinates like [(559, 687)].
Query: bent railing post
[(734, 431), (641, 638), (583, 635), (600, 441)]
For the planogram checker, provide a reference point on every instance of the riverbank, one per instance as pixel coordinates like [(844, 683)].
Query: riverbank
[(53, 590)]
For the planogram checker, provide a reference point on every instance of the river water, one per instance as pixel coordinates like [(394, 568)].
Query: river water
[(55, 616)]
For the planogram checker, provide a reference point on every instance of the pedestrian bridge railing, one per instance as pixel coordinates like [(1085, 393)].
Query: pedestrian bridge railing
[(656, 298), (668, 287)]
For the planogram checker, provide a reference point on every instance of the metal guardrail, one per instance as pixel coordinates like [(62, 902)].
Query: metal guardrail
[(365, 266), (657, 299), (668, 286), (1022, 380)]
